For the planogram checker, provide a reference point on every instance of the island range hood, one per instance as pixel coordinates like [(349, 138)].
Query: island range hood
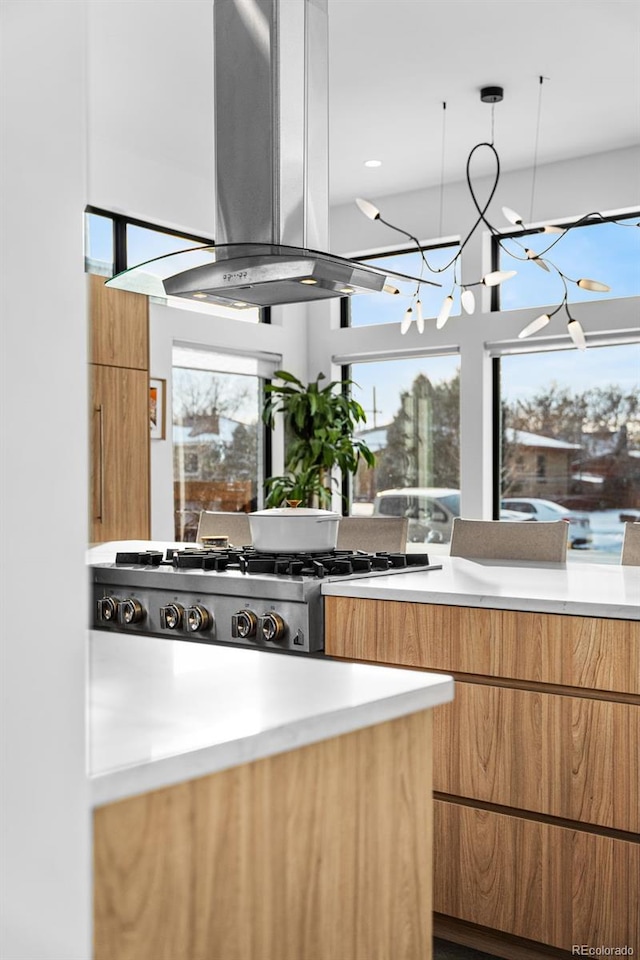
[(271, 171)]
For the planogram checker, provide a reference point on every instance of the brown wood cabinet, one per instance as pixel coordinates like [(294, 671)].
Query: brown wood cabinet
[(119, 414), (322, 853), (536, 768)]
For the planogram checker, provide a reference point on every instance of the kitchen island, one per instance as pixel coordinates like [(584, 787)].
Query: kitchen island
[(536, 762), (258, 806)]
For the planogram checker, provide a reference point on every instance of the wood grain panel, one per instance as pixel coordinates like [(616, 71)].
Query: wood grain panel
[(320, 853), (535, 880), (567, 757), (119, 330), (120, 502), (586, 652)]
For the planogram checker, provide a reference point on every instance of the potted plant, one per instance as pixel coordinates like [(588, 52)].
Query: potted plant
[(320, 422)]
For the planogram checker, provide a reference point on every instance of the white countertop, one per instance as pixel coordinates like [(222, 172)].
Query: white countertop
[(162, 711), (590, 590)]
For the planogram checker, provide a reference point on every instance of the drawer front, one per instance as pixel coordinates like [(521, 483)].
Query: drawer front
[(531, 879), (569, 757), (586, 652)]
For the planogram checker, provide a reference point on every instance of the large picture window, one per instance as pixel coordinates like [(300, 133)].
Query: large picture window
[(605, 251), (367, 309), (218, 455), (413, 417), (570, 443)]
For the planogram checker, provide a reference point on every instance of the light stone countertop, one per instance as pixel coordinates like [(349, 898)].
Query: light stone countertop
[(164, 711), (590, 590)]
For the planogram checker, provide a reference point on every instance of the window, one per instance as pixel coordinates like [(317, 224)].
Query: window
[(98, 245), (413, 415), (369, 309), (218, 453), (602, 251), (570, 443)]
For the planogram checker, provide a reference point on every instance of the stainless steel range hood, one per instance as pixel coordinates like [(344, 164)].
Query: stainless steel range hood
[(271, 170)]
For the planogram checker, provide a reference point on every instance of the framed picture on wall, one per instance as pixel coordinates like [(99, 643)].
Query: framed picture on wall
[(157, 409)]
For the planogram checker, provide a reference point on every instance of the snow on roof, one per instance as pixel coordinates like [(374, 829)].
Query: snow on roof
[(525, 439)]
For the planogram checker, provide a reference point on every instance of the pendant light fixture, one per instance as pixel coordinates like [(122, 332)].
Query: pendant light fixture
[(493, 95)]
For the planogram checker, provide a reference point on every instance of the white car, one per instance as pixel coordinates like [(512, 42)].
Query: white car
[(431, 511), (579, 524)]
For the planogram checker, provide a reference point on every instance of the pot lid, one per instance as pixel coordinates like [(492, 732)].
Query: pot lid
[(296, 512)]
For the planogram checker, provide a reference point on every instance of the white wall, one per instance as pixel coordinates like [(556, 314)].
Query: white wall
[(45, 823), (150, 149)]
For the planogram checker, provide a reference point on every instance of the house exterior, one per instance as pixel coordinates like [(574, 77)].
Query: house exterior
[(537, 466)]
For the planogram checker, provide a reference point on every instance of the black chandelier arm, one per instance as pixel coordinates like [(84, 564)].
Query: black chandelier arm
[(482, 210), (419, 249)]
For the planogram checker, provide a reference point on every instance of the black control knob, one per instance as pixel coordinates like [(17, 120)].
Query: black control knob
[(244, 624), (198, 618), (171, 616), (272, 627), (131, 611), (108, 609)]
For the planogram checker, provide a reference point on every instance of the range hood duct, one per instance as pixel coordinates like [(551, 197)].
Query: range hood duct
[(271, 170)]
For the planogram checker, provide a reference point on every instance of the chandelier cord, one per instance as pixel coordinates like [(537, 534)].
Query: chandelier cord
[(444, 127), (535, 149)]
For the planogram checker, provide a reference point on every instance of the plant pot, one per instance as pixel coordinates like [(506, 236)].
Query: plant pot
[(294, 530)]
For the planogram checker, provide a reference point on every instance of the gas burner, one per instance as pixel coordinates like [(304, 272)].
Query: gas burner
[(246, 560)]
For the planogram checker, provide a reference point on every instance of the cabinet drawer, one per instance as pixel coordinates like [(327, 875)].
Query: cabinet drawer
[(588, 652), (569, 757), (531, 879)]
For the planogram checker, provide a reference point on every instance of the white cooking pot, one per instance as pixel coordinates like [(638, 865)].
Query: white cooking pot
[(294, 530)]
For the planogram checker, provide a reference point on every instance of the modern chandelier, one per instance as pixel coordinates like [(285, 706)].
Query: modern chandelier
[(493, 95)]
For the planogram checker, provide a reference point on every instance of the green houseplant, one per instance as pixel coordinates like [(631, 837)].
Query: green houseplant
[(320, 422)]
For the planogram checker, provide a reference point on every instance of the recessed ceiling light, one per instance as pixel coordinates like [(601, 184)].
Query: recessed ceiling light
[(373, 163), (308, 280), (240, 303), (347, 290), (200, 296)]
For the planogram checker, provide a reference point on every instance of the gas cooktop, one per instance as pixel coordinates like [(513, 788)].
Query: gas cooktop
[(231, 595)]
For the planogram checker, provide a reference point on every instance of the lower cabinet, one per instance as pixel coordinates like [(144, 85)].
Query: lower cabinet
[(536, 769), (119, 418), (321, 853)]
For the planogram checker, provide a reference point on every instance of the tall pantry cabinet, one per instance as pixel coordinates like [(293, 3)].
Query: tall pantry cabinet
[(119, 414)]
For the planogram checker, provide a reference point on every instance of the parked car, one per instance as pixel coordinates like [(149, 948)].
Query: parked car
[(579, 524), (431, 511)]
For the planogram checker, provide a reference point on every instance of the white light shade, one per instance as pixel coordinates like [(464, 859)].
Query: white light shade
[(406, 321), (366, 207), (551, 228), (577, 334), (373, 163), (534, 326), (512, 216), (389, 288), (468, 301), (587, 284), (536, 259), (445, 312), (419, 317), (498, 276)]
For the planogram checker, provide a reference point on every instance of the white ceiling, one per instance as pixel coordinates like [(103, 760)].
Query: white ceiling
[(394, 62)]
